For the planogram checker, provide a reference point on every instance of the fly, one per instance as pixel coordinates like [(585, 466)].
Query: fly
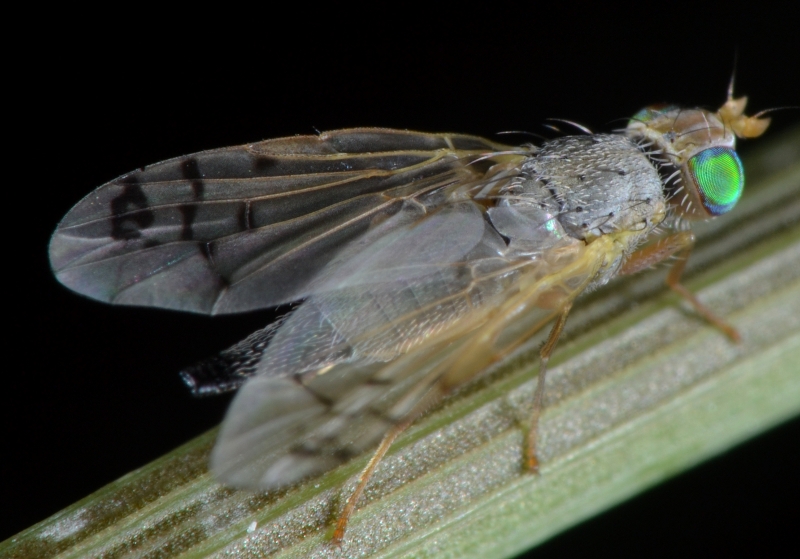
[(420, 259)]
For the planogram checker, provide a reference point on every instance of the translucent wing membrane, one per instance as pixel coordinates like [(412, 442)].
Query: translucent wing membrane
[(349, 364), (249, 227)]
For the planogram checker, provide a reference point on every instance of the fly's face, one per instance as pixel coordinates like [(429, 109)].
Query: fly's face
[(695, 149)]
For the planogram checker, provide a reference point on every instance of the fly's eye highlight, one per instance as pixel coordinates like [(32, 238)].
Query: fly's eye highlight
[(719, 176)]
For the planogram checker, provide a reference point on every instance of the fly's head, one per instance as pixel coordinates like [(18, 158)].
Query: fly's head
[(695, 151)]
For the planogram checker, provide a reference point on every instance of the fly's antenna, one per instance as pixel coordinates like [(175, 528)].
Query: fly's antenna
[(733, 73), (732, 113)]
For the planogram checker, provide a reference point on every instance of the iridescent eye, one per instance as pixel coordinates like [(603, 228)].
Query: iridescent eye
[(719, 177)]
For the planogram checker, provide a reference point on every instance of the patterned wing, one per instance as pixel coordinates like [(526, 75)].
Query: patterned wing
[(248, 227)]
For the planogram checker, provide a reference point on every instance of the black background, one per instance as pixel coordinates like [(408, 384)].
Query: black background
[(91, 392)]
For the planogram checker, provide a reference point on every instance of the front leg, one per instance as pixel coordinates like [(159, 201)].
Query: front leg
[(679, 245)]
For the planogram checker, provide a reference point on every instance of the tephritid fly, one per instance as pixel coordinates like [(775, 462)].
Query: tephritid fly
[(421, 259)]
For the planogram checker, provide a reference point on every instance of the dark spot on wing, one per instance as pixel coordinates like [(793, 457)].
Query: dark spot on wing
[(189, 169), (243, 216), (322, 399), (206, 251), (129, 211), (191, 172), (222, 282), (188, 213), (263, 163), (198, 189)]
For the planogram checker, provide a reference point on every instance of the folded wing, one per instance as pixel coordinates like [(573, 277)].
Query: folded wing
[(349, 364), (248, 227)]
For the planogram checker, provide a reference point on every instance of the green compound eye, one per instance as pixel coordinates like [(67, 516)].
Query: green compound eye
[(719, 176)]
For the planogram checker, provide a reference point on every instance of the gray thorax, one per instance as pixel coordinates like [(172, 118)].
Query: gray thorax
[(591, 185)]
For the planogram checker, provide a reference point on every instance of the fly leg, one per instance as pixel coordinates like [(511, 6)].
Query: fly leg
[(366, 474), (680, 245), (532, 461), (433, 394)]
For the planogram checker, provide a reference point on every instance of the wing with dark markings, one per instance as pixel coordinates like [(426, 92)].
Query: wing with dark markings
[(248, 227)]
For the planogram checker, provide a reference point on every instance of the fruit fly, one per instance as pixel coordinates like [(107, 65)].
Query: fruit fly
[(419, 260)]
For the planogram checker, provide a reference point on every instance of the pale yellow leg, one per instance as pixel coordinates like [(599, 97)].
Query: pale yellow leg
[(532, 461), (366, 474), (433, 395)]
